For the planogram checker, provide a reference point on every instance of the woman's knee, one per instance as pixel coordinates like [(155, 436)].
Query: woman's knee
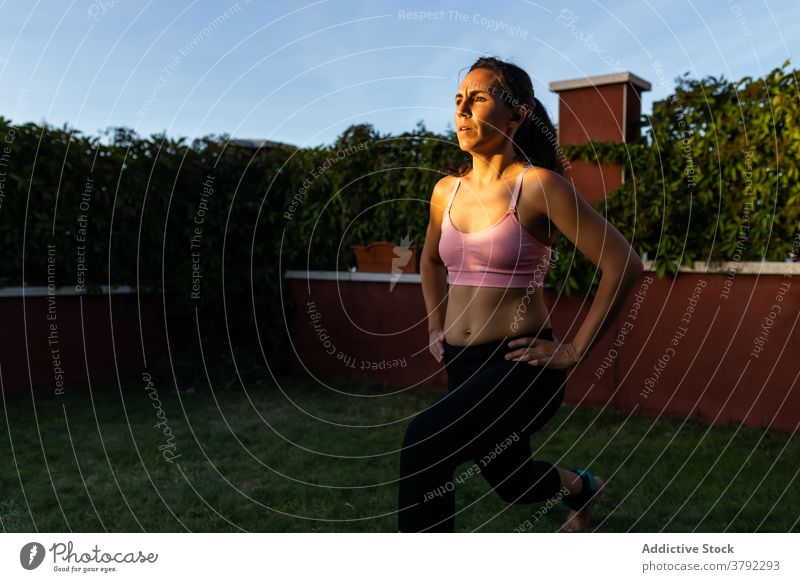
[(426, 445), (422, 428)]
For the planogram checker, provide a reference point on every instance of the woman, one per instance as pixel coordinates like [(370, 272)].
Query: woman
[(506, 370)]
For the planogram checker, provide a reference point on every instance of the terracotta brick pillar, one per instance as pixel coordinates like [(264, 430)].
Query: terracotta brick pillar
[(601, 108)]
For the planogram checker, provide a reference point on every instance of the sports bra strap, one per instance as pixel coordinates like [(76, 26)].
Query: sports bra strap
[(518, 187), (452, 195), (514, 196)]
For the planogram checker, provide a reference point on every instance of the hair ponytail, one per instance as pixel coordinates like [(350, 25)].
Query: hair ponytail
[(536, 141)]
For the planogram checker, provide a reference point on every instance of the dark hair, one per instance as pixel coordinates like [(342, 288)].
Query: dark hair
[(535, 141)]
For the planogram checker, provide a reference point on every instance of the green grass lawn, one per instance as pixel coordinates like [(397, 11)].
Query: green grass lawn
[(300, 456)]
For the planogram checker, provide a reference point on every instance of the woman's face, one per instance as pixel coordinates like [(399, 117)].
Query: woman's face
[(482, 114)]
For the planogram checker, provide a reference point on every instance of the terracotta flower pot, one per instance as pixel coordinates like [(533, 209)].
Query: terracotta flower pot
[(386, 257)]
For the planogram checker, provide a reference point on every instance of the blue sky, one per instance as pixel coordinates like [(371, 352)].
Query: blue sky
[(301, 72)]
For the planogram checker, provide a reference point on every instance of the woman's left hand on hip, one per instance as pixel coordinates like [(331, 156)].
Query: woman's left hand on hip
[(542, 352)]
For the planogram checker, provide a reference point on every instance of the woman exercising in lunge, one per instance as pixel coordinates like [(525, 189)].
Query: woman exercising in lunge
[(486, 253)]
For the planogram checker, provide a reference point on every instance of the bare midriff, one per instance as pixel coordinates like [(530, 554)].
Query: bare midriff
[(486, 314)]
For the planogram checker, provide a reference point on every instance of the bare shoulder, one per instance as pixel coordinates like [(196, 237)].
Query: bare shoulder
[(442, 188), (541, 181), (441, 191), (546, 191), (534, 206)]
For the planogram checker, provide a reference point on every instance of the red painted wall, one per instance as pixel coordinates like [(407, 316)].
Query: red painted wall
[(83, 340), (709, 373)]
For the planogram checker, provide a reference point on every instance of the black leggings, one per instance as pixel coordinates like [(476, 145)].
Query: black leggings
[(491, 408)]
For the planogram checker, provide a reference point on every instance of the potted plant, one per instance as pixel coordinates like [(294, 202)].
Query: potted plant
[(386, 257)]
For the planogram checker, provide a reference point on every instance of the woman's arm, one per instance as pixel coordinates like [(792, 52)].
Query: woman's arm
[(601, 243), (433, 273)]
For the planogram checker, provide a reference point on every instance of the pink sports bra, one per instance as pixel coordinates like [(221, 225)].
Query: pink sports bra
[(503, 255)]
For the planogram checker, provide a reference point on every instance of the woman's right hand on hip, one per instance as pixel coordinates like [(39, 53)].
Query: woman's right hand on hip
[(436, 344)]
